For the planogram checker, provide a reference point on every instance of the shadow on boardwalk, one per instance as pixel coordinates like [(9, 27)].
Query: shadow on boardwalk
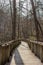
[(16, 58)]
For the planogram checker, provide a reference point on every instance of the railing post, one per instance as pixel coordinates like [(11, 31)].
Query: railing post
[(0, 54), (41, 53)]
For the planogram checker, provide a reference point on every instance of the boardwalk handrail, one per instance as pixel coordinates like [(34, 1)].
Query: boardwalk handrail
[(6, 50), (37, 42), (37, 48)]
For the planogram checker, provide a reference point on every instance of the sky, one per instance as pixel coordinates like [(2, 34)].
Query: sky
[(29, 6)]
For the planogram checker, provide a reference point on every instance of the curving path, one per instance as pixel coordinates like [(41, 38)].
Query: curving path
[(23, 56)]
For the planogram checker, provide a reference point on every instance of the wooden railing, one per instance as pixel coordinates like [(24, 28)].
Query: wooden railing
[(6, 50), (37, 48)]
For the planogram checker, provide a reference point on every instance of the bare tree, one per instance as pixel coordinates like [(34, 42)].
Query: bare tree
[(37, 24), (14, 20)]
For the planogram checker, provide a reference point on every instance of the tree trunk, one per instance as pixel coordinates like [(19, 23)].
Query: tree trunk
[(14, 20)]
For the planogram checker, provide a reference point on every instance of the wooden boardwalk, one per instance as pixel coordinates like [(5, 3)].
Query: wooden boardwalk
[(23, 56)]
